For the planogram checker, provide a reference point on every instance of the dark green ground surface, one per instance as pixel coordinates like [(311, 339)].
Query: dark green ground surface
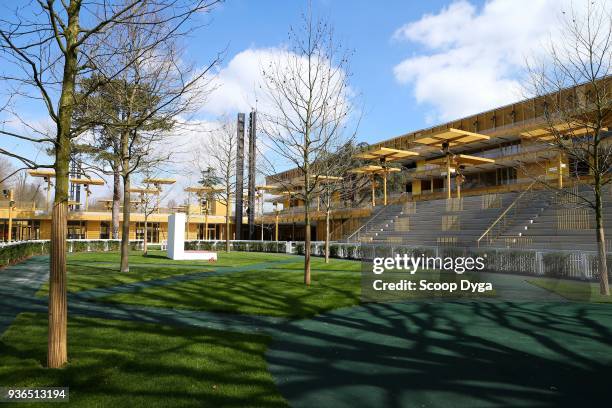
[(445, 354), (527, 347), (573, 290)]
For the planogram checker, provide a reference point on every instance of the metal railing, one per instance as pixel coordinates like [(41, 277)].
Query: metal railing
[(501, 222), (356, 235)]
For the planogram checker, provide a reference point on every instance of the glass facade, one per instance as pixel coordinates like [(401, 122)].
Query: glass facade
[(22, 230), (152, 231), (105, 230), (77, 230), (212, 231)]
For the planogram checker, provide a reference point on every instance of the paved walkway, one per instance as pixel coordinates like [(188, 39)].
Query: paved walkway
[(516, 350)]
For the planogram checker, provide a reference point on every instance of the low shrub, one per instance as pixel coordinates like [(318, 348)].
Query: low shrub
[(16, 252)]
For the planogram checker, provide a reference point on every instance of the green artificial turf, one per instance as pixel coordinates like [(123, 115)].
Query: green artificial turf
[(573, 290), (272, 292), (126, 364), (88, 270)]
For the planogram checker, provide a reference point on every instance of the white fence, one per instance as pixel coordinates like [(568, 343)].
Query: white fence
[(554, 263)]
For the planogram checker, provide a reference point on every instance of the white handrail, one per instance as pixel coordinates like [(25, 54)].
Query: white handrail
[(358, 230), (503, 214)]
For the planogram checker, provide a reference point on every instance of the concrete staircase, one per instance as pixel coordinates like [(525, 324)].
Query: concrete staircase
[(378, 221), (454, 222), (562, 223), (532, 219)]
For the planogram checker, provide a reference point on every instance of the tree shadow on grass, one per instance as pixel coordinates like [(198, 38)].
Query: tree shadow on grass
[(137, 364), (447, 354), (266, 292)]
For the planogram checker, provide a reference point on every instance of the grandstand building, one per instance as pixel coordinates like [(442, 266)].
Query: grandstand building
[(475, 181), (482, 180)]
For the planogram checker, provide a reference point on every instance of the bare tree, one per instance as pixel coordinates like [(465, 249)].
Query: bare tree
[(336, 183), (150, 198), (142, 103), (309, 93), (220, 151), (574, 87), (43, 46)]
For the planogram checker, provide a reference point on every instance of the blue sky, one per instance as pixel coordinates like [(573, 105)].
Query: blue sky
[(389, 107), (415, 63)]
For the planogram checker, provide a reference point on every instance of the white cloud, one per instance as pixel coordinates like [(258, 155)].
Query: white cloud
[(237, 85), (473, 57), (241, 86)]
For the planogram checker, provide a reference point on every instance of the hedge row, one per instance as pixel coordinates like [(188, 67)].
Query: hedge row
[(558, 264), (336, 250), (244, 246), (18, 251)]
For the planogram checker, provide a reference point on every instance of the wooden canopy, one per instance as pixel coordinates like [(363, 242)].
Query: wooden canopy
[(386, 154), (316, 178), (203, 189), (372, 169), (462, 160), (267, 188), (159, 181), (42, 173), (454, 137), (566, 129), (144, 190), (86, 181)]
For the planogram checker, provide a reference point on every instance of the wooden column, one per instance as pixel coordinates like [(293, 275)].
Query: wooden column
[(158, 198), (448, 177), (276, 222), (431, 184), (10, 216), (385, 187), (261, 197), (560, 170), (206, 221), (48, 194), (373, 191), (87, 194)]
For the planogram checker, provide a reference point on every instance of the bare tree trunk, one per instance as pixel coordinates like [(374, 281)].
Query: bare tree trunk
[(307, 243), (57, 353), (125, 226), (327, 216), (58, 303), (604, 286), (144, 242), (116, 199)]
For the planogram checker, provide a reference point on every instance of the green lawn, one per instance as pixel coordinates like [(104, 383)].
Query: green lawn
[(159, 257), (573, 290), (88, 270), (274, 291), (115, 363)]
